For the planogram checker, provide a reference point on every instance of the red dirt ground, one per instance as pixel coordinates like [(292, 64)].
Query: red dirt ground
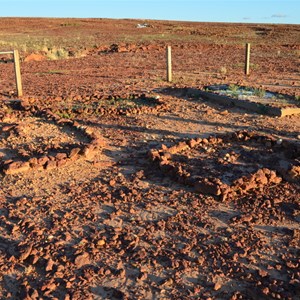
[(107, 221)]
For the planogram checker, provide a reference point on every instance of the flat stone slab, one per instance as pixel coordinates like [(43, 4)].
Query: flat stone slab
[(261, 108)]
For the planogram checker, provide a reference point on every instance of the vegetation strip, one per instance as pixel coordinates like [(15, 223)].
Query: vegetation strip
[(104, 105)]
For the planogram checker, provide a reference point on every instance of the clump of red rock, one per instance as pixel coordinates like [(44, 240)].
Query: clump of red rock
[(215, 186), (64, 157), (97, 103)]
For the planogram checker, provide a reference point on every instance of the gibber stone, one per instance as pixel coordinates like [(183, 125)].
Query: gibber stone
[(17, 167), (207, 187)]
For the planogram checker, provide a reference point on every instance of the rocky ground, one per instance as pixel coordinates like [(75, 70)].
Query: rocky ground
[(118, 185)]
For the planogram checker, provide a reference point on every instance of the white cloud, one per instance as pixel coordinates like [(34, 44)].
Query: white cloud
[(279, 16)]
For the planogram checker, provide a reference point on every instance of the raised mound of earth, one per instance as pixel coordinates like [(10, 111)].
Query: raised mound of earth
[(256, 95), (98, 104), (250, 99)]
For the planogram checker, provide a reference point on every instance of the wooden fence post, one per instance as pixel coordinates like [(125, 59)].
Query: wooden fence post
[(247, 59), (169, 64), (18, 73)]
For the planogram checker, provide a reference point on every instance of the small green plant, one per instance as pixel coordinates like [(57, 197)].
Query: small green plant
[(254, 66), (259, 93), (65, 115), (297, 97), (69, 24), (233, 88), (223, 70), (8, 110), (55, 54)]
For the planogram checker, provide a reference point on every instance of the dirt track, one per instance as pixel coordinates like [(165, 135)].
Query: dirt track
[(114, 223)]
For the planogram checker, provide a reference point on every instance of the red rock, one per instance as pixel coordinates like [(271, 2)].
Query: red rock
[(88, 152), (33, 160), (26, 252), (240, 181), (192, 143), (112, 182), (51, 165), (76, 124), (7, 162), (154, 154), (248, 186), (207, 187), (36, 166), (62, 162), (34, 57), (217, 286), (17, 167), (277, 180), (82, 260), (74, 152), (8, 128), (99, 142), (212, 140), (143, 276), (181, 146), (224, 113), (260, 177), (166, 156), (51, 286), (246, 218), (103, 164), (294, 174), (35, 259), (42, 161), (49, 265), (34, 295), (266, 291), (69, 285), (90, 132), (60, 156), (272, 175)]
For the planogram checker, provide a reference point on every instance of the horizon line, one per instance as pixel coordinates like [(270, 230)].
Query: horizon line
[(146, 19)]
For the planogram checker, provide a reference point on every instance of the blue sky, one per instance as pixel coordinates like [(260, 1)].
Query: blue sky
[(246, 11)]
